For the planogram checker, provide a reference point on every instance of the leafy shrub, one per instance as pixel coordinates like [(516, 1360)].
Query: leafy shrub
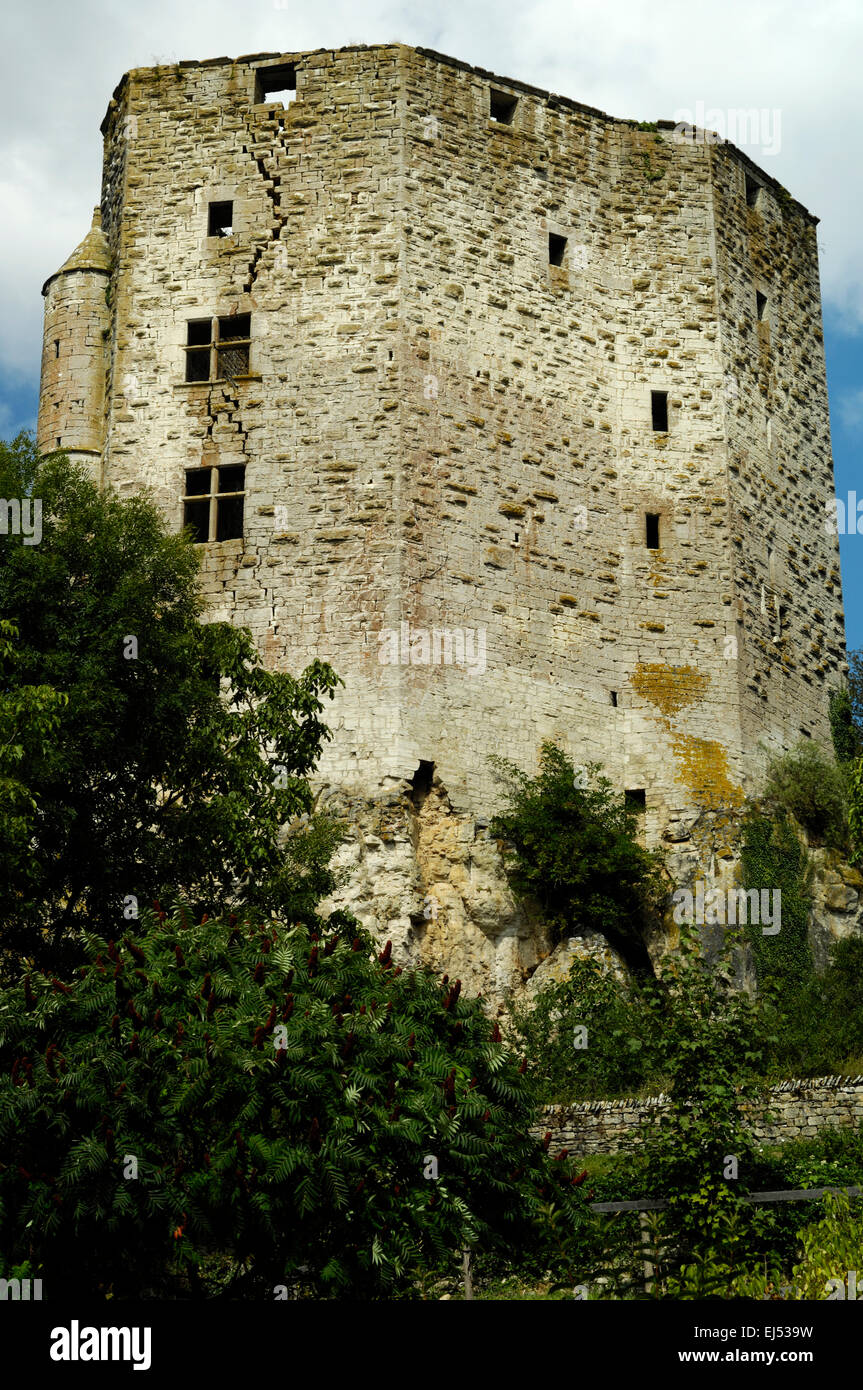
[(811, 786), (574, 849), (843, 729), (281, 1089), (830, 1246), (617, 1057)]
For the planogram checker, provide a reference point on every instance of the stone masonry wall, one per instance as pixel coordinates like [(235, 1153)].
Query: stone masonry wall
[(792, 1110)]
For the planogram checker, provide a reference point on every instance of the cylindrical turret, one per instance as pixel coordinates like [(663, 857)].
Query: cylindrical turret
[(74, 352)]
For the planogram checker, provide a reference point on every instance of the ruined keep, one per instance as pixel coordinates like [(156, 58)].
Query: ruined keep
[(514, 412)]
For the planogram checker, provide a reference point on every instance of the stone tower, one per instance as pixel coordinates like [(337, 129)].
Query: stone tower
[(514, 412), (72, 405)]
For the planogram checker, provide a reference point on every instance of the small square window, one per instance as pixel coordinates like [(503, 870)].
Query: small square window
[(237, 326), (753, 190), (501, 107), (636, 800), (199, 331), (659, 411), (276, 84), (220, 219), (760, 305), (651, 530), (556, 248), (197, 482), (232, 478)]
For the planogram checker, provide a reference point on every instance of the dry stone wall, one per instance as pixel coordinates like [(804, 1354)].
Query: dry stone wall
[(791, 1110)]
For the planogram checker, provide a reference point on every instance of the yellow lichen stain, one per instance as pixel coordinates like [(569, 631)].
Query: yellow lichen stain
[(669, 688), (704, 769)]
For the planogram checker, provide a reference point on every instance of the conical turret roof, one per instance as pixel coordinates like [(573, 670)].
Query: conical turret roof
[(93, 253)]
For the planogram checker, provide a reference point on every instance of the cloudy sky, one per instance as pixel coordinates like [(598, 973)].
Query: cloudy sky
[(648, 59)]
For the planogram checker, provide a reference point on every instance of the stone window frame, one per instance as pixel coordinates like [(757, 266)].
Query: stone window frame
[(214, 496), (214, 346)]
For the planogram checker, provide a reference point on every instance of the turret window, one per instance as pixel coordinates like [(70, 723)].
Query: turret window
[(213, 502), (218, 349)]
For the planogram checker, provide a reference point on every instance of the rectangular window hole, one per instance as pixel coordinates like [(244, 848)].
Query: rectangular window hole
[(220, 219), (197, 482), (760, 305), (199, 333), (276, 84), (659, 411), (636, 800), (56, 347), (651, 530), (229, 519), (501, 106), (232, 477), (196, 515), (614, 698), (556, 248), (753, 188), (237, 326), (198, 365)]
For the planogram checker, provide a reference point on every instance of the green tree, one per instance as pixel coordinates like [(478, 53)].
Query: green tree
[(235, 1106), (847, 743), (586, 1037), (709, 1038), (811, 785), (572, 845), (174, 757)]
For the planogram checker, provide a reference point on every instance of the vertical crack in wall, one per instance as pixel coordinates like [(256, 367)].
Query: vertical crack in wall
[(272, 180)]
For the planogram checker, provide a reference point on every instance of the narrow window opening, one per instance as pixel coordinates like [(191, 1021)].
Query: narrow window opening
[(220, 221), (753, 189), (760, 305), (614, 698), (276, 84), (651, 531), (659, 411), (58, 441), (501, 107), (636, 800), (556, 248), (56, 347)]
